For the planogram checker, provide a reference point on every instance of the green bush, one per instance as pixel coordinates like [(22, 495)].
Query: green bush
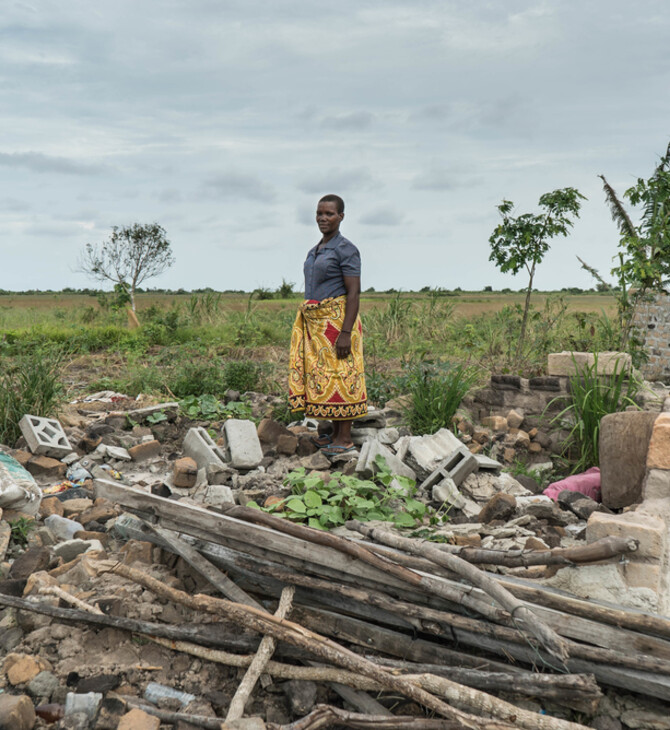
[(31, 386), (241, 375)]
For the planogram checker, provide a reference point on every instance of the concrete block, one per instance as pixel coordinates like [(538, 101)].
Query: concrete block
[(446, 492), (649, 531), (457, 467), (425, 453), (566, 363), (242, 446), (45, 436), (658, 456), (623, 446), (198, 444), (366, 466)]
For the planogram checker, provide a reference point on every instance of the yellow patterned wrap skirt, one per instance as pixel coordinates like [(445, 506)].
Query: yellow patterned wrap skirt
[(319, 383)]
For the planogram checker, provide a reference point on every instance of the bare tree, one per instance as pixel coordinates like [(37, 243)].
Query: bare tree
[(129, 256)]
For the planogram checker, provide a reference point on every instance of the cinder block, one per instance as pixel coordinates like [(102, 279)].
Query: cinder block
[(370, 450), (649, 531), (45, 436), (199, 446), (242, 446), (658, 455), (456, 467), (425, 453)]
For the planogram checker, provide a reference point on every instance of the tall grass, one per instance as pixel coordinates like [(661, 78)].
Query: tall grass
[(593, 396), (436, 392), (31, 386)]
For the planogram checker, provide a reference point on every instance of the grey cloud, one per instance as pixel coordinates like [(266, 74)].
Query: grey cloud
[(385, 216), (437, 179), (348, 122), (239, 185), (12, 205), (170, 195), (41, 163), (337, 180)]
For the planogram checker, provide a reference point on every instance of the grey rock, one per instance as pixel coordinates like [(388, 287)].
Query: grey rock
[(584, 508), (529, 483), (316, 461), (446, 492), (500, 507), (75, 721), (43, 685), (69, 549), (605, 722), (388, 436), (9, 639), (301, 696), (219, 494)]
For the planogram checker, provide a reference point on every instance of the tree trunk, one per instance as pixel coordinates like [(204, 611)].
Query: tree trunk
[(526, 307)]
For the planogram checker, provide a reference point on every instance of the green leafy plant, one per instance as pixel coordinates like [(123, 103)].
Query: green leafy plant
[(20, 530), (157, 417), (208, 408), (521, 242), (592, 397), (325, 505), (436, 391)]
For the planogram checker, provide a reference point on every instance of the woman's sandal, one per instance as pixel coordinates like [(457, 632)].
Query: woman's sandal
[(322, 441), (334, 450)]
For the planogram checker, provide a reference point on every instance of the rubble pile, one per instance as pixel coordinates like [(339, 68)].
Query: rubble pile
[(138, 589)]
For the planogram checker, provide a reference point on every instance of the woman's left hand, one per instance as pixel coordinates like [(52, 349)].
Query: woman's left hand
[(343, 345)]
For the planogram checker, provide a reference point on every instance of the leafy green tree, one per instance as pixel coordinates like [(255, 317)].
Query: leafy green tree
[(522, 241), (128, 257), (644, 256)]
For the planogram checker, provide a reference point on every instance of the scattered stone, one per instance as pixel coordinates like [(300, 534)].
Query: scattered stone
[(495, 423), (137, 719), (481, 435), (269, 431), (137, 551), (145, 450), (500, 507), (185, 472), (515, 419), (68, 550), (317, 461), (101, 511), (45, 466), (305, 445), (62, 528), (388, 436), (217, 494), (584, 508), (287, 444), (531, 484), (301, 696), (43, 685), (76, 506), (446, 492), (31, 561), (51, 506), (21, 668), (16, 712)]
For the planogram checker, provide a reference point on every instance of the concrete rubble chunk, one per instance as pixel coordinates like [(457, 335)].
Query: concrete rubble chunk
[(217, 494), (185, 472), (375, 418), (137, 719), (70, 549), (45, 436), (446, 493), (198, 444), (367, 468), (242, 446), (486, 463), (623, 445), (360, 435), (566, 363), (16, 712), (425, 453)]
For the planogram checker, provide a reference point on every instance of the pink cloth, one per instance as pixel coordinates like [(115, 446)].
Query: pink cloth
[(587, 483)]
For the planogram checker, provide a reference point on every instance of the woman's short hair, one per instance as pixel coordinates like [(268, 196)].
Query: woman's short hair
[(339, 203)]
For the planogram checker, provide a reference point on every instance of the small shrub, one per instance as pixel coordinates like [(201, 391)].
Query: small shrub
[(241, 375)]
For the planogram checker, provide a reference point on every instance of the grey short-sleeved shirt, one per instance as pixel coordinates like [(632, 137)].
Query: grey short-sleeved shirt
[(324, 271)]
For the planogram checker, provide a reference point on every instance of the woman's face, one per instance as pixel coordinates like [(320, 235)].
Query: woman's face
[(327, 217)]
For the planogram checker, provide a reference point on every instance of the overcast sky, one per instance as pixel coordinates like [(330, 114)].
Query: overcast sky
[(226, 120)]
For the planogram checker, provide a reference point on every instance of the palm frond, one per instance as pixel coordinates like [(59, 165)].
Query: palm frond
[(594, 273), (618, 212)]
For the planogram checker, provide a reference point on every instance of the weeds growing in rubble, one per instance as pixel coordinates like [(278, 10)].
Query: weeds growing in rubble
[(20, 530), (325, 505), (31, 385), (436, 391), (593, 396)]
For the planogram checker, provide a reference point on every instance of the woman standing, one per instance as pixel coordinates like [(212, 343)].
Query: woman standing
[(326, 377)]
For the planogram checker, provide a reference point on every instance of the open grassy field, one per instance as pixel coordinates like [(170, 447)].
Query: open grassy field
[(189, 344)]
